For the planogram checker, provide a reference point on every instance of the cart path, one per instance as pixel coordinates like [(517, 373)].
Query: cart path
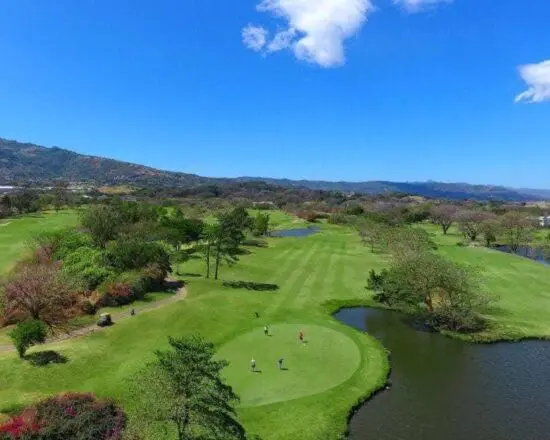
[(180, 295)]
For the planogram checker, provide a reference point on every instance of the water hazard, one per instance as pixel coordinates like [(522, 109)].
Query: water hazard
[(300, 232), (527, 252), (443, 389)]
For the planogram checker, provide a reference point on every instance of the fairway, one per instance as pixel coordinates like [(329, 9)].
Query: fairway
[(16, 232), (325, 359)]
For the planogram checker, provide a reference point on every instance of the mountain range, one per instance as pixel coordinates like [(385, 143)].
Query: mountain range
[(30, 163)]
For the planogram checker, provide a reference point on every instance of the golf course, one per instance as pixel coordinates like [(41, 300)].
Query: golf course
[(324, 377)]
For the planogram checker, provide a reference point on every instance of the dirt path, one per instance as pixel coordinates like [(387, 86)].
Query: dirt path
[(180, 295)]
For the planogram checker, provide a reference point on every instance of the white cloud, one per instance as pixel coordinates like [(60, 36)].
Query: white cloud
[(254, 37), (418, 5), (315, 30), (537, 77), (282, 40)]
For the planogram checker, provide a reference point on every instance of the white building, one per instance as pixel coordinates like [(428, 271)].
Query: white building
[(544, 222)]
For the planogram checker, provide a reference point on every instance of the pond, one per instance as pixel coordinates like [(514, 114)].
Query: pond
[(444, 389), (527, 252), (300, 232)]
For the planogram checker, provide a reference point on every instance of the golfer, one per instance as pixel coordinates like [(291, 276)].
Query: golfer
[(280, 363), (266, 330), (301, 336), (253, 365)]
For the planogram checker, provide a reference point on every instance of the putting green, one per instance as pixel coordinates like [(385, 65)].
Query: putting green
[(327, 359)]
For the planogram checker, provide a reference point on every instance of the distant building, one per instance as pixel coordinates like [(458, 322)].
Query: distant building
[(544, 221)]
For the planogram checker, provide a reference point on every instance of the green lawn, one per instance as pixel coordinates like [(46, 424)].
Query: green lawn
[(16, 232), (338, 367)]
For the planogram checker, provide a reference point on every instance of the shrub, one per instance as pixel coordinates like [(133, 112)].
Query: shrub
[(68, 416), (153, 276), (87, 306), (28, 333), (116, 294), (338, 219), (87, 267), (355, 210), (309, 216)]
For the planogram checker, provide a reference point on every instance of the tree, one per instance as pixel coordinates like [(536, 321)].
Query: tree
[(184, 388), (406, 241), (102, 222), (240, 218), (25, 201), (444, 216), (371, 233), (229, 234), (28, 333), (126, 255), (447, 293), (261, 224), (60, 195), (470, 222), (38, 292), (516, 230), (179, 230), (209, 238), (489, 229)]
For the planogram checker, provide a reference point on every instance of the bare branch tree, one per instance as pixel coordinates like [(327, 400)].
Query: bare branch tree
[(469, 222), (444, 216), (37, 292), (516, 229)]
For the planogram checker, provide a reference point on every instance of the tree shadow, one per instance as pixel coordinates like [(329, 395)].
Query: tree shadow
[(190, 274), (255, 243), (173, 285), (250, 285), (43, 358)]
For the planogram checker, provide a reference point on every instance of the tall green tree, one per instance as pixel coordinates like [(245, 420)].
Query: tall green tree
[(210, 235), (102, 222), (260, 224), (184, 389), (229, 234), (240, 218)]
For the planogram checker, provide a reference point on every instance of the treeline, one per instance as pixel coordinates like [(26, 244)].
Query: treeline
[(29, 200)]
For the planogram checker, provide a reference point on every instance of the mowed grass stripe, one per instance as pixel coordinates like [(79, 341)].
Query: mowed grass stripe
[(317, 284), (288, 284), (300, 283), (332, 278)]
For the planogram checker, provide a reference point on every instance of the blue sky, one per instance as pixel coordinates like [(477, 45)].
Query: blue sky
[(319, 89)]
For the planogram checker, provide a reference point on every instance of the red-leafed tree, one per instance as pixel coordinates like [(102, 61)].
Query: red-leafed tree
[(37, 292)]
